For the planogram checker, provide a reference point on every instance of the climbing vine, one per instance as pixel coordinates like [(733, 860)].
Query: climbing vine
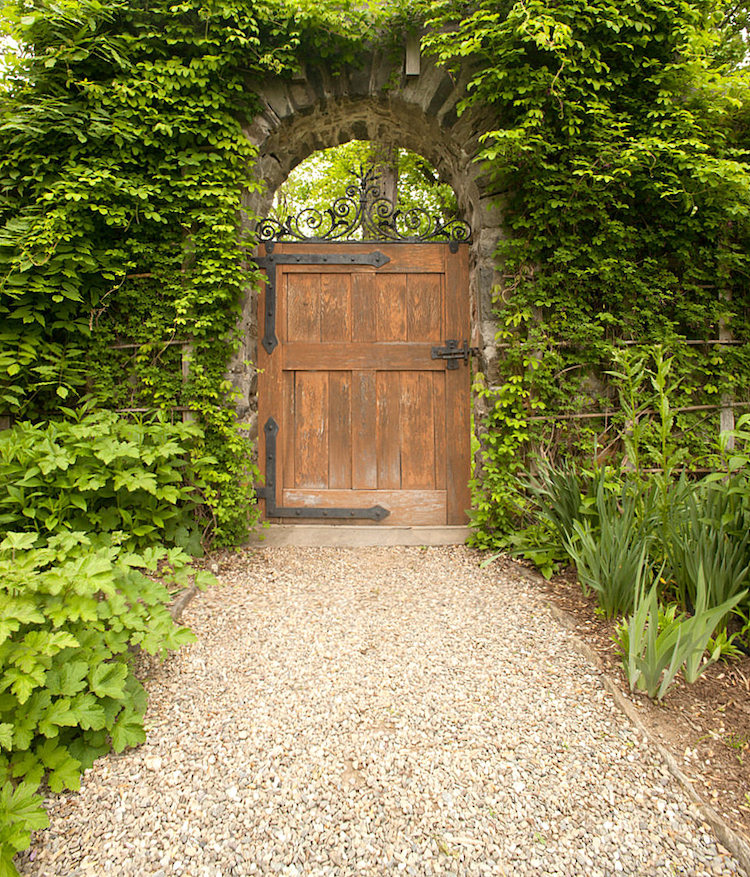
[(122, 239), (619, 160)]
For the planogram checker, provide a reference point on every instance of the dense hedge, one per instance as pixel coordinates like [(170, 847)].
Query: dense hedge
[(121, 186)]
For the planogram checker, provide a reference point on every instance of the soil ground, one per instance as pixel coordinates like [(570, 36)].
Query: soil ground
[(705, 725)]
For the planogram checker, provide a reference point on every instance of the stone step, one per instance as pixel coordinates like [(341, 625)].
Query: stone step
[(327, 535)]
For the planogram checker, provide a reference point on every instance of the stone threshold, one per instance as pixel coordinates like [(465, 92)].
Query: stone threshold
[(328, 535)]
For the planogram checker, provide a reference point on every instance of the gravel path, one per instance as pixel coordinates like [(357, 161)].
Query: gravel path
[(377, 711)]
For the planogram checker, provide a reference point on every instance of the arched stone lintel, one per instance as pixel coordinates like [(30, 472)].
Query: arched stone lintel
[(319, 110)]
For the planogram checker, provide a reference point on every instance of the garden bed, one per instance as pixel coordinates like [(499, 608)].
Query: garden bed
[(705, 725)]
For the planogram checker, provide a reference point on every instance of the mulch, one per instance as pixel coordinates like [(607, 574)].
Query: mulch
[(706, 725)]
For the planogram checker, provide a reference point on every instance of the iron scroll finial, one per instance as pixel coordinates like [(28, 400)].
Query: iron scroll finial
[(363, 213)]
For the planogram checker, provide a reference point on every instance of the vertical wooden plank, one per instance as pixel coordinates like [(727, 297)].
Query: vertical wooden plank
[(417, 432), (302, 306), (364, 430), (339, 430), (441, 439), (364, 307), (389, 440), (311, 429), (424, 308), (457, 387), (286, 439), (335, 307), (391, 304)]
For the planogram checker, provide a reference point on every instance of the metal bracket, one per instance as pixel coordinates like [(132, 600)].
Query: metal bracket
[(452, 353), (271, 429), (269, 263)]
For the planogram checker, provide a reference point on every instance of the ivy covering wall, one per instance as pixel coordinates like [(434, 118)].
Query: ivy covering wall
[(617, 153), (620, 158), (121, 183)]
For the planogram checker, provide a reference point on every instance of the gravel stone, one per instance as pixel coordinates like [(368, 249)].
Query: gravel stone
[(377, 710)]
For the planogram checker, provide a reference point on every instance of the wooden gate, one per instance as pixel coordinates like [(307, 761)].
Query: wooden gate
[(364, 383)]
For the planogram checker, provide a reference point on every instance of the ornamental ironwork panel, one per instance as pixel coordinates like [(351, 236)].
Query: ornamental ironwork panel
[(363, 213)]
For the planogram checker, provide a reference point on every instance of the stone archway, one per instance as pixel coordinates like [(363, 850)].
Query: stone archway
[(376, 101)]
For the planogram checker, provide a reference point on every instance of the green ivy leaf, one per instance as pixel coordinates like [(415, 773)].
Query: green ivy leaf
[(14, 541), (58, 715), (23, 806), (6, 735), (66, 776), (21, 684), (67, 679), (89, 714)]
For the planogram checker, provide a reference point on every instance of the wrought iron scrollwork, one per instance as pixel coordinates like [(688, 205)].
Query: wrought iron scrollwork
[(363, 213)]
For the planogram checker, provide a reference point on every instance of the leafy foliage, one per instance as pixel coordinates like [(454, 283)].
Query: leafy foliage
[(74, 606), (673, 555), (323, 177), (88, 508), (21, 812), (99, 472), (619, 159), (611, 554), (656, 642), (709, 537)]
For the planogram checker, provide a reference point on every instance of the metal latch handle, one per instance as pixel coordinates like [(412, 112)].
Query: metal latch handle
[(452, 353)]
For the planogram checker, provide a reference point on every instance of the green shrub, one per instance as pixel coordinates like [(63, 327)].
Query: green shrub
[(21, 812), (98, 472), (537, 543), (708, 534), (73, 609), (560, 493), (656, 642), (612, 557), (561, 496)]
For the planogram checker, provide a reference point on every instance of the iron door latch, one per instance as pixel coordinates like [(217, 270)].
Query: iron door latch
[(452, 353)]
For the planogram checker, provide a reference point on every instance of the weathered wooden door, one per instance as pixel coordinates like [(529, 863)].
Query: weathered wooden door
[(361, 419)]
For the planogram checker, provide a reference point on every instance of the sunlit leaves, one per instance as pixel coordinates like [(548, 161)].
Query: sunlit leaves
[(618, 147), (67, 689)]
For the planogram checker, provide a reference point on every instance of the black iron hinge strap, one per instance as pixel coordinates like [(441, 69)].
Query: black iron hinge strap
[(271, 429), (269, 263)]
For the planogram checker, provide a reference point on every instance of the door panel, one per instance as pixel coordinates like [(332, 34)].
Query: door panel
[(365, 415), (340, 429), (310, 406), (407, 507)]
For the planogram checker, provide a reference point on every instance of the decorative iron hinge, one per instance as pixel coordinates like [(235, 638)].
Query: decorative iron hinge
[(271, 429), (268, 264), (452, 353)]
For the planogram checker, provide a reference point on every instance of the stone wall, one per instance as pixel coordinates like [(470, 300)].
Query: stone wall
[(374, 102)]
